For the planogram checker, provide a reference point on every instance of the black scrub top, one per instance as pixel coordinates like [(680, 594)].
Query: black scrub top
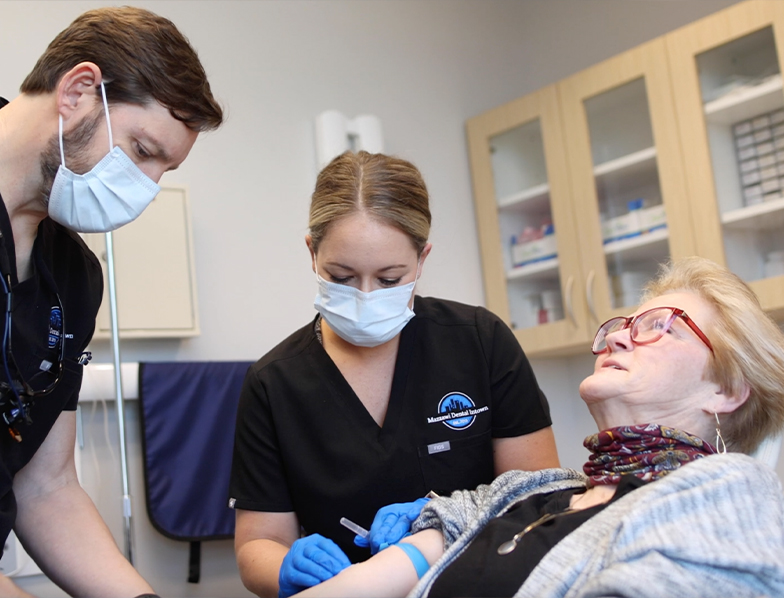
[(62, 266), (305, 443)]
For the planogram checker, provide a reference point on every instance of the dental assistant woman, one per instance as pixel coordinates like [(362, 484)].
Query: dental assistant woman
[(382, 398)]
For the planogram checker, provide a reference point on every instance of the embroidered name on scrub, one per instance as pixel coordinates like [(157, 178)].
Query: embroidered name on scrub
[(458, 415)]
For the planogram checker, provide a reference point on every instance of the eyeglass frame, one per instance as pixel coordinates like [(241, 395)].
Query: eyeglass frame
[(629, 322)]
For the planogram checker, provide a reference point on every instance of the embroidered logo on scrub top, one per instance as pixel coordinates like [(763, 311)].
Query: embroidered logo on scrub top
[(55, 326), (457, 411)]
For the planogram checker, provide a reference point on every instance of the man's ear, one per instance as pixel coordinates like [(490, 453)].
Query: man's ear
[(75, 91)]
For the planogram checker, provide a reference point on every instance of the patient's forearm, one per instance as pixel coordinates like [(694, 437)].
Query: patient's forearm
[(389, 573)]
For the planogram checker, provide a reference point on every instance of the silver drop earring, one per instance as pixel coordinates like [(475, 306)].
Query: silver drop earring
[(720, 446)]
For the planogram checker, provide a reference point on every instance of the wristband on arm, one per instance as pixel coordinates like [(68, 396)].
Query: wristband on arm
[(417, 558)]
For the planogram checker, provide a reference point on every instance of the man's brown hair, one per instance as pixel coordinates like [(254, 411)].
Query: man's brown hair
[(142, 56)]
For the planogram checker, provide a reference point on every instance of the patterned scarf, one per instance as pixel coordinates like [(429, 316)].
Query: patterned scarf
[(647, 451)]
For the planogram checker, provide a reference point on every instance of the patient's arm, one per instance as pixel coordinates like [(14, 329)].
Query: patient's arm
[(389, 573)]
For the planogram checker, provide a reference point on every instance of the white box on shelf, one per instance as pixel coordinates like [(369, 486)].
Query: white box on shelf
[(762, 135), (764, 148), (751, 178), (764, 162), (750, 152), (743, 128), (619, 227), (749, 165), (752, 195), (534, 251), (760, 122), (652, 218), (770, 185)]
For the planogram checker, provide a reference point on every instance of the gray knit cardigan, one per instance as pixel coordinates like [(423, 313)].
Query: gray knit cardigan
[(715, 527)]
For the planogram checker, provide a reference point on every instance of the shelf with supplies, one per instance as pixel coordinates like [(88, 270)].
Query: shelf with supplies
[(761, 216), (746, 102), (598, 157), (628, 164), (727, 69), (649, 155), (640, 245), (543, 270), (532, 196)]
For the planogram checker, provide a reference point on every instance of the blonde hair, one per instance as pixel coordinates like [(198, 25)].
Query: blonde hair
[(748, 347), (387, 188)]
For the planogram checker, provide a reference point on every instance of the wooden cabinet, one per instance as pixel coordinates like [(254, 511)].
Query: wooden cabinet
[(673, 148), (154, 272), (610, 179), (726, 69), (625, 164), (521, 188)]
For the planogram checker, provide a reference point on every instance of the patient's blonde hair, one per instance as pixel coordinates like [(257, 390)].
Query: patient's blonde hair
[(748, 347)]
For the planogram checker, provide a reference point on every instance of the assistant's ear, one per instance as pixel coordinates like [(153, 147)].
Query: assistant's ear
[(423, 256), (75, 91), (309, 243)]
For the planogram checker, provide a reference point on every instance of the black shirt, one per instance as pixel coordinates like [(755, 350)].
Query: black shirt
[(481, 571), (62, 265), (305, 442)]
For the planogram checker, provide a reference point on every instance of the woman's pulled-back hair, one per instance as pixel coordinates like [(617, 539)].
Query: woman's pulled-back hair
[(142, 56), (748, 347), (387, 188)]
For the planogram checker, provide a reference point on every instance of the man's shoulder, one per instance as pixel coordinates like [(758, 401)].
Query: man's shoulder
[(74, 267), (62, 244)]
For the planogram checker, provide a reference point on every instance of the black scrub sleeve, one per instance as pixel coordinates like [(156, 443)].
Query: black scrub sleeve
[(258, 481), (519, 405)]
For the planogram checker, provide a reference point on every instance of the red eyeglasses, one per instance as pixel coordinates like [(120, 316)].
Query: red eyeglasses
[(646, 328)]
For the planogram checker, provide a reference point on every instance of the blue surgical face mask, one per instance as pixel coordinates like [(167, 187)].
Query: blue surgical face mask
[(112, 194), (365, 319)]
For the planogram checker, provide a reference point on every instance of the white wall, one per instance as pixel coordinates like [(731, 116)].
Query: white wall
[(423, 67)]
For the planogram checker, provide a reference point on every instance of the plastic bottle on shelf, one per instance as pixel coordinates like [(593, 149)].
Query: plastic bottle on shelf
[(635, 205)]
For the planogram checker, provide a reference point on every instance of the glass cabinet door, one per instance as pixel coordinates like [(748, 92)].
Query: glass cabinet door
[(628, 182), (727, 68), (526, 225)]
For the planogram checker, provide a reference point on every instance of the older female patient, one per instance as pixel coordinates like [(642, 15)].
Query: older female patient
[(696, 372)]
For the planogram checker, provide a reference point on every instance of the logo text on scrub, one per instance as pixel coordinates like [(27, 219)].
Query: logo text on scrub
[(457, 411)]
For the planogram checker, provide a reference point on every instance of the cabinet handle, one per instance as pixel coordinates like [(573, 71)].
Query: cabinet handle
[(589, 294), (569, 302)]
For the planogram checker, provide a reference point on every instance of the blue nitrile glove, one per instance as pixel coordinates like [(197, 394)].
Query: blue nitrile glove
[(310, 561), (391, 524)]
